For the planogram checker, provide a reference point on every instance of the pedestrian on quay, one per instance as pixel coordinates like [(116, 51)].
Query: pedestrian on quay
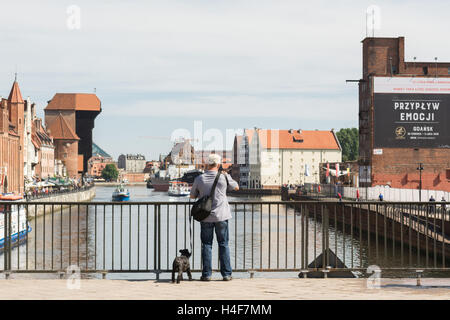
[(217, 221), (444, 206), (380, 197), (432, 199), (340, 196)]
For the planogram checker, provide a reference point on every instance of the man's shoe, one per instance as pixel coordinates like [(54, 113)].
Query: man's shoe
[(227, 278), (202, 278)]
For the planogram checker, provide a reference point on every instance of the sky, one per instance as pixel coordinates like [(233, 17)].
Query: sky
[(165, 67)]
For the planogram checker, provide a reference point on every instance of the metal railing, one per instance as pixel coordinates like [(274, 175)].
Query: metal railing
[(264, 236)]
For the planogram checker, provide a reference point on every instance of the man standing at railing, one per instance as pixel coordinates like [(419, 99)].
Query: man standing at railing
[(432, 199), (218, 219)]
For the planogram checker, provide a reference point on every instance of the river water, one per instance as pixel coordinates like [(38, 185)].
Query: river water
[(122, 238)]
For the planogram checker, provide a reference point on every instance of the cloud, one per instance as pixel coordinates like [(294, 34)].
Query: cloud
[(253, 59)]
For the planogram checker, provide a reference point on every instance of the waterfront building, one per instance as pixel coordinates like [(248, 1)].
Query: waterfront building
[(132, 163), (30, 149), (19, 153), (241, 154), (98, 161), (44, 151), (404, 137), (69, 118), (278, 157), (151, 167), (10, 165), (182, 153), (235, 168)]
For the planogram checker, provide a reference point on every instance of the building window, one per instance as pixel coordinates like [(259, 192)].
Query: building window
[(448, 174)]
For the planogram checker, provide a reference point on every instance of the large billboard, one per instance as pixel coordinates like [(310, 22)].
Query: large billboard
[(411, 112)]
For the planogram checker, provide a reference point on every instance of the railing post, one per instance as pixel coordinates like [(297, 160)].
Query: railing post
[(326, 235), (157, 238), (7, 240), (324, 230)]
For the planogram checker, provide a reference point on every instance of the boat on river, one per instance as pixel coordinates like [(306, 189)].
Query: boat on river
[(178, 189), (160, 184), (121, 194), (16, 216)]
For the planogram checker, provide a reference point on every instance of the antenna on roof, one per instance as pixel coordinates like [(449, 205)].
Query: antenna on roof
[(95, 90), (366, 24), (373, 22)]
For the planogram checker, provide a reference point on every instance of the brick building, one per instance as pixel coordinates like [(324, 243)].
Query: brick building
[(26, 149), (70, 119), (98, 161), (96, 164), (404, 109), (10, 165), (45, 151)]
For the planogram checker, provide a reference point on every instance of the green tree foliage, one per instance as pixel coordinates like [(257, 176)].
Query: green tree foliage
[(349, 140), (110, 172)]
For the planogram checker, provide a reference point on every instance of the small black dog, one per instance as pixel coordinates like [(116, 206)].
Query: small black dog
[(181, 264)]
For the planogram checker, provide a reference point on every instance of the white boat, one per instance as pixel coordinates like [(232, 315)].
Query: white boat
[(18, 220), (121, 194), (178, 189)]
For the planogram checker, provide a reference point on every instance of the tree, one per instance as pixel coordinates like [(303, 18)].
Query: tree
[(349, 140), (110, 172)]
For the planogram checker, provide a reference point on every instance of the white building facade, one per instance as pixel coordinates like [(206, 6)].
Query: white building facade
[(279, 157)]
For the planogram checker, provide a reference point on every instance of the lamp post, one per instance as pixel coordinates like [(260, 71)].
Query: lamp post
[(435, 64), (420, 168), (366, 170)]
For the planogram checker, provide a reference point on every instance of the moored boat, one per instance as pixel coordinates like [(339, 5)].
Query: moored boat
[(18, 220), (160, 184)]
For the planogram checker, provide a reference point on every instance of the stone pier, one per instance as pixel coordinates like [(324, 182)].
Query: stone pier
[(80, 196)]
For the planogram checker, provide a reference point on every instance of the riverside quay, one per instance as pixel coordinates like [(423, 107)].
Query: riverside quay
[(310, 238)]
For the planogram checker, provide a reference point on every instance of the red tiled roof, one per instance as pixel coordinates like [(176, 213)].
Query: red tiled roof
[(15, 96), (283, 139), (74, 101), (60, 129), (36, 141)]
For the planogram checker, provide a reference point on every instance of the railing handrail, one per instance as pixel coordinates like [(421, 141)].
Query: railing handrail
[(290, 202)]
